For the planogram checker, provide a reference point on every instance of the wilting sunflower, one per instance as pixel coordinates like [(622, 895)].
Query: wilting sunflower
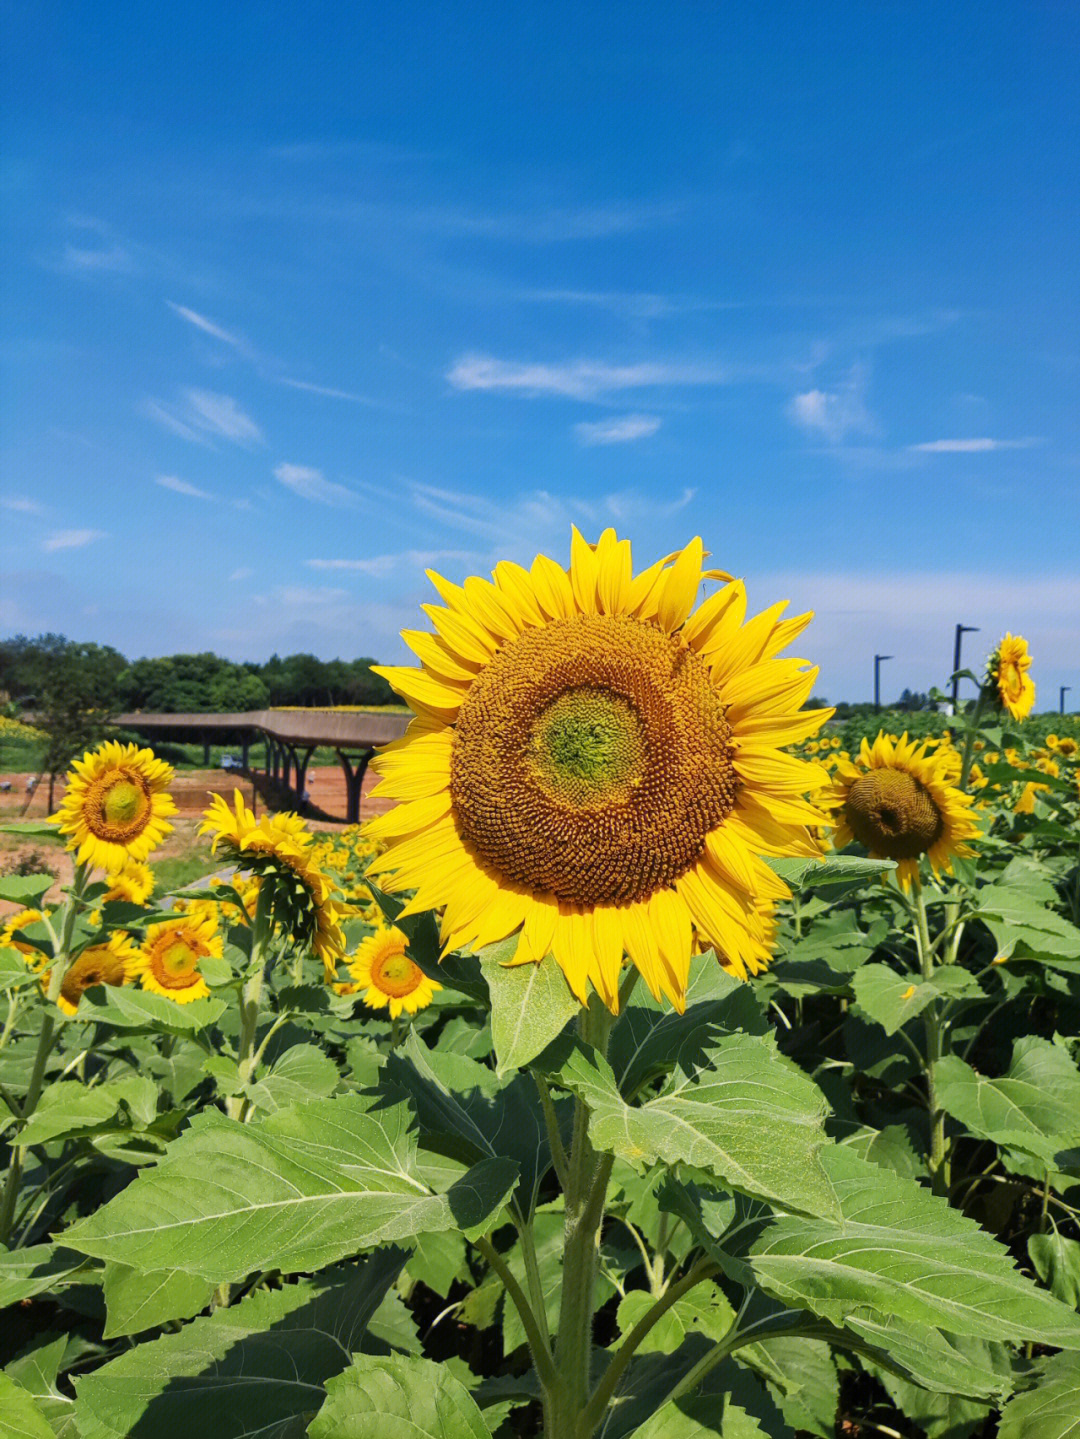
[(111, 963), (1007, 680), (276, 850), (598, 766), (899, 800), (168, 962), (381, 968), (134, 883), (115, 806)]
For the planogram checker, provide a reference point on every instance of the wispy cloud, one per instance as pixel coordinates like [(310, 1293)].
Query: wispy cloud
[(630, 505), (71, 539), (243, 573), (111, 259), (204, 415), (329, 392), (380, 566), (311, 484), (577, 379), (835, 413), (208, 327), (20, 505), (972, 447), (181, 487), (620, 431)]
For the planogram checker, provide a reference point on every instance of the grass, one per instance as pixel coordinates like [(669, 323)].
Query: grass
[(182, 870)]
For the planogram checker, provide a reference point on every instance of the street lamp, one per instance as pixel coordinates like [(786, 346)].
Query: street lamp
[(1061, 697), (877, 678), (961, 630)]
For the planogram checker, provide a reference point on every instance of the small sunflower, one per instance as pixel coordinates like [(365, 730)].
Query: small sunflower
[(388, 976), (168, 962), (598, 767), (111, 963), (115, 806), (1007, 680), (1066, 746), (277, 850), (900, 802), (134, 882), (11, 927)]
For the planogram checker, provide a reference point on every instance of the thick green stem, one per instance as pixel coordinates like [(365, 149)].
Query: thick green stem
[(586, 1190), (46, 1040), (939, 1157), (237, 1106)]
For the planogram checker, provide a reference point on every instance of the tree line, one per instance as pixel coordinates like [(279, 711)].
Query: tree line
[(50, 671)]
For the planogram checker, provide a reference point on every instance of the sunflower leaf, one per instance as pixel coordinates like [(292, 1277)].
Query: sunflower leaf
[(1034, 1106), (837, 869), (130, 1008), (531, 1004), (393, 1397), (301, 1189), (25, 889), (257, 1367), (891, 999), (22, 1418), (1052, 1409), (749, 1117), (136, 1302)]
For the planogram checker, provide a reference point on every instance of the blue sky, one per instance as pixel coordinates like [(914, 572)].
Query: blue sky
[(301, 299)]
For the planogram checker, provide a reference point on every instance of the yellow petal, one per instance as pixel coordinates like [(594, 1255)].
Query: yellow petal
[(681, 586), (584, 571)]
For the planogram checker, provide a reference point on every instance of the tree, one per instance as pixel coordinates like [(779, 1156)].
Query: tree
[(76, 697)]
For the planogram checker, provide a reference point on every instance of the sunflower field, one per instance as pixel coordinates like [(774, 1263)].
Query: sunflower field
[(666, 1062)]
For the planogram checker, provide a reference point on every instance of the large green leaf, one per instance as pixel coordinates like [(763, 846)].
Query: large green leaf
[(530, 1004), (257, 1368), (130, 1008), (1056, 1261), (398, 1398), (303, 1072), (902, 1253), (704, 1310), (1052, 1409), (1020, 923), (135, 1302), (299, 1190), (837, 869), (891, 999), (25, 889), (20, 1416), (750, 1118), (1034, 1106), (40, 1267), (68, 1107), (466, 1111), (650, 1038), (36, 1370)]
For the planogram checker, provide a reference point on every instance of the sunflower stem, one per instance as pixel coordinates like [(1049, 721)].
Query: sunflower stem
[(586, 1190), (969, 739), (238, 1106), (939, 1158), (46, 1039)]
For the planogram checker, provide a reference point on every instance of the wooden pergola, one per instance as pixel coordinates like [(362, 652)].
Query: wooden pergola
[(291, 737)]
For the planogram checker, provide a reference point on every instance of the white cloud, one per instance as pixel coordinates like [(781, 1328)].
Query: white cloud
[(203, 415), (379, 566), (328, 391), (310, 484), (243, 573), (629, 506), (181, 487), (577, 379), (79, 261), (21, 505), (618, 431), (71, 539), (835, 413), (207, 326), (972, 447)]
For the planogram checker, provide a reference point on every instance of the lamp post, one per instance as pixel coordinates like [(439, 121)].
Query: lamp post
[(961, 630), (877, 678), (1061, 697)]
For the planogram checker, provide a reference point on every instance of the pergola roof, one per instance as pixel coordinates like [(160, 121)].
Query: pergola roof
[(339, 729)]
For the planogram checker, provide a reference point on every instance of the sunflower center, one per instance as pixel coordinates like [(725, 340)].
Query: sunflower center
[(892, 814), (591, 758), (395, 974), (118, 806)]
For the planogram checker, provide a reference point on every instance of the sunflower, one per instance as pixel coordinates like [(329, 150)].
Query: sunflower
[(168, 962), (1007, 682), (277, 850), (899, 800), (597, 766), (115, 805), (1066, 746), (111, 963), (388, 976), (134, 883), (12, 926)]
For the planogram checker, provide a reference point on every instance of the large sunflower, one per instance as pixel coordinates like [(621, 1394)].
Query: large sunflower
[(1007, 678), (115, 806), (168, 962), (277, 850), (899, 800), (111, 963), (389, 978), (598, 766)]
